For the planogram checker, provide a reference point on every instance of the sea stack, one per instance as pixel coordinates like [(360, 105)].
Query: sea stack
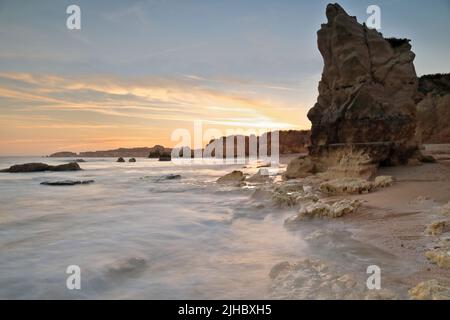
[(365, 113)]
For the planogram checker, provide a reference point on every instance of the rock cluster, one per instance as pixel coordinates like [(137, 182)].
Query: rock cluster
[(315, 279), (355, 185), (322, 209), (66, 182)]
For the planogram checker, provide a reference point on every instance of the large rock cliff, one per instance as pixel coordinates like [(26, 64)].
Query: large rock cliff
[(433, 111), (365, 113)]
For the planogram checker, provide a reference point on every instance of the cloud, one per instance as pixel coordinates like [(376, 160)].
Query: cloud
[(38, 107)]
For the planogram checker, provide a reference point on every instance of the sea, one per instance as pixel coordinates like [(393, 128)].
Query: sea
[(154, 230)]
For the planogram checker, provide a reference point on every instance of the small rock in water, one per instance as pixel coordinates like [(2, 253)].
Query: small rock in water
[(127, 267), (172, 177), (233, 177), (40, 167), (132, 160), (120, 159), (66, 182)]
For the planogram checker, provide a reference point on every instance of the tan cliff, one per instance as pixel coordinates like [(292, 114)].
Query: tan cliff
[(433, 111), (365, 115)]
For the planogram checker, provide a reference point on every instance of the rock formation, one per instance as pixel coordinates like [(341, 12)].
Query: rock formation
[(365, 113), (289, 142), (39, 167), (433, 111), (66, 182), (120, 159)]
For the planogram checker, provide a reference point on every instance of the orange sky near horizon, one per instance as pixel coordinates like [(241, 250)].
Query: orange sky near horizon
[(49, 113)]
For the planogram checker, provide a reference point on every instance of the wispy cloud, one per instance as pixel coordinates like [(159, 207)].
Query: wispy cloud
[(47, 105)]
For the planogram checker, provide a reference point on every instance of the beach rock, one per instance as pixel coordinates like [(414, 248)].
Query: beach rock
[(132, 160), (120, 159), (39, 167), (346, 186), (279, 268), (383, 181), (233, 177), (440, 256), (414, 162), (172, 177), (355, 185), (435, 228), (66, 182), (79, 160), (300, 168), (291, 199), (262, 176), (429, 290), (73, 166), (426, 158), (365, 114), (321, 209)]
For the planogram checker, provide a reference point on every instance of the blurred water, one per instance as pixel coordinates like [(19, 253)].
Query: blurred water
[(135, 235)]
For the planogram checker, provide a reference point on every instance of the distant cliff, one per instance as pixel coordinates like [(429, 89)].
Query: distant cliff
[(290, 142), (433, 110), (121, 152)]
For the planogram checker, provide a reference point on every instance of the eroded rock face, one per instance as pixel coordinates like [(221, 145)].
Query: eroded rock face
[(433, 111), (367, 93)]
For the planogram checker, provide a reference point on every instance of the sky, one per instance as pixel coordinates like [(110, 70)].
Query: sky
[(138, 70)]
